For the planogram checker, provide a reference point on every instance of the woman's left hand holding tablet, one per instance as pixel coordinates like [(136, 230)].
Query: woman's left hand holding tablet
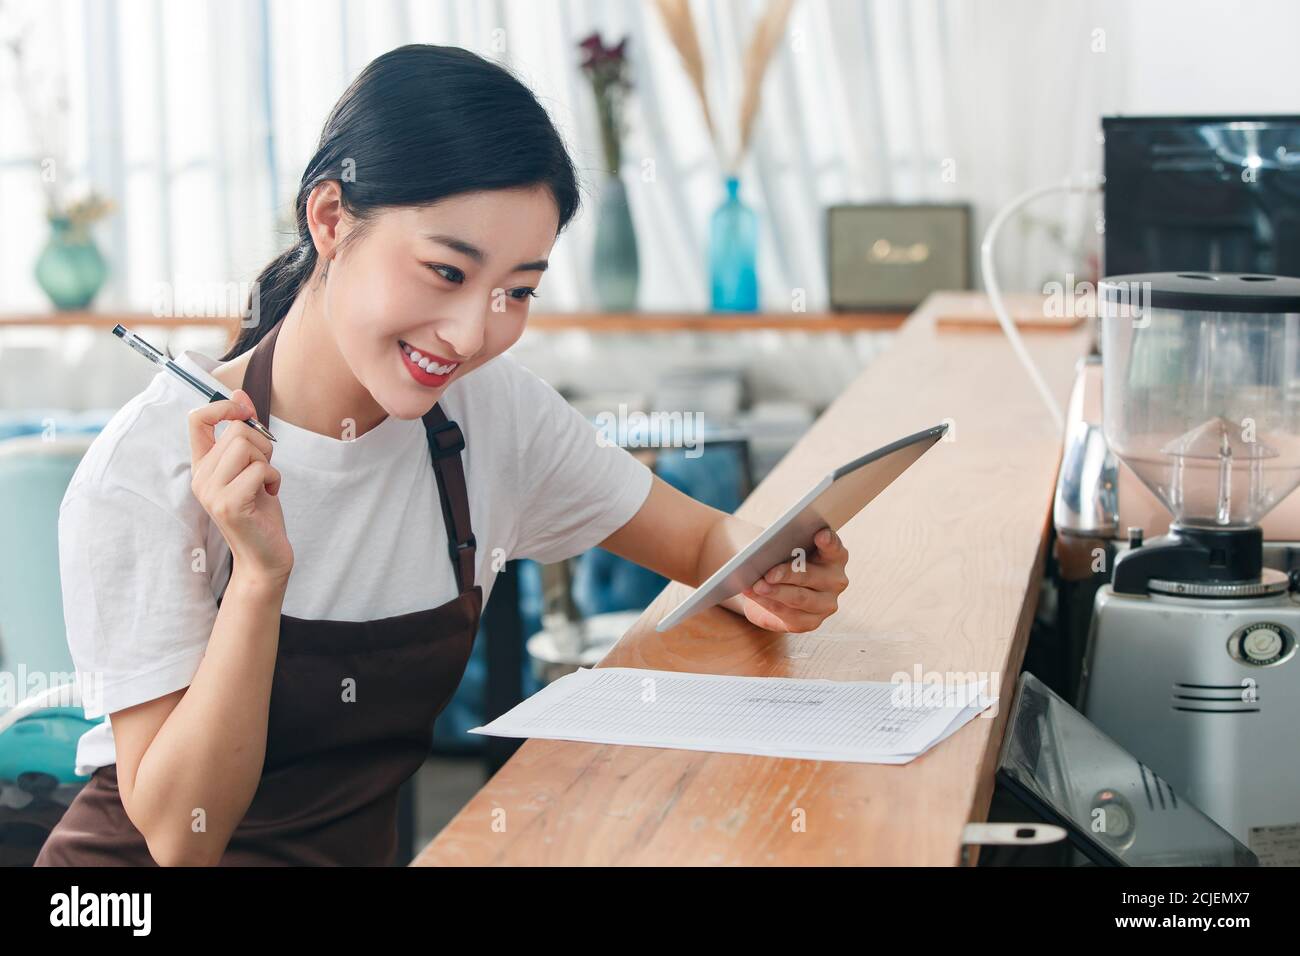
[(799, 594)]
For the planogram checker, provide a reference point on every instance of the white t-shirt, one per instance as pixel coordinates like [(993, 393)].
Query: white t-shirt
[(142, 564)]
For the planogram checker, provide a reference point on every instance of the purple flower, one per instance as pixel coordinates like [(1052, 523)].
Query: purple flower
[(606, 67), (598, 56)]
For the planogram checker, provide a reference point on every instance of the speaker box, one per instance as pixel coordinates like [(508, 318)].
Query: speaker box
[(892, 255)]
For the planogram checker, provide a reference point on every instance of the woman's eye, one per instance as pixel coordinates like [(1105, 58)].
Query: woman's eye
[(450, 273), (523, 292)]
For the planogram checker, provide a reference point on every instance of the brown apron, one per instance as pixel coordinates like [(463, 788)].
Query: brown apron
[(351, 712)]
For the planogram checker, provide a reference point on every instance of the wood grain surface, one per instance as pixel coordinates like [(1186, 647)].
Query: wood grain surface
[(945, 568)]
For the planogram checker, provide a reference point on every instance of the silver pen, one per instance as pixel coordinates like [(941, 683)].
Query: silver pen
[(158, 358)]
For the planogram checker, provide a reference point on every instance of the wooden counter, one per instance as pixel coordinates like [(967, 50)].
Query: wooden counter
[(945, 568)]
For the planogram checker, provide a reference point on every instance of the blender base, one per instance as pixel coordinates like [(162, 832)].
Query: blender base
[(1205, 691)]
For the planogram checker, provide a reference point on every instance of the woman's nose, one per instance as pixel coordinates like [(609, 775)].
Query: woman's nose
[(464, 327)]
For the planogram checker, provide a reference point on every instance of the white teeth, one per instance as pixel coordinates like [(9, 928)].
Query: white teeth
[(426, 363)]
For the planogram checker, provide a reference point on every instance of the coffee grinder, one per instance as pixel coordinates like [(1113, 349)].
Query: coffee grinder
[(1190, 663)]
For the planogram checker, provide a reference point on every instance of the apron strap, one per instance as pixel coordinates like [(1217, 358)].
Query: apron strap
[(257, 374), (257, 383), (446, 442)]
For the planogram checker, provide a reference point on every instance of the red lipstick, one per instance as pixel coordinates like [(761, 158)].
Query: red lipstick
[(431, 371)]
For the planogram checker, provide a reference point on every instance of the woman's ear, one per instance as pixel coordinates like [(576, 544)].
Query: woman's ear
[(325, 218)]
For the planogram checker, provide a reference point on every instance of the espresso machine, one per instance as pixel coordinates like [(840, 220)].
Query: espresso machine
[(1190, 661)]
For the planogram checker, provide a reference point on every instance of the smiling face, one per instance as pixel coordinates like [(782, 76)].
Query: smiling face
[(424, 295)]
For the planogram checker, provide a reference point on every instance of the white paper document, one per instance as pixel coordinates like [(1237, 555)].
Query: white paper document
[(857, 721)]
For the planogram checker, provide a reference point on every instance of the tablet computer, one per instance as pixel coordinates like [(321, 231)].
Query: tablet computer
[(830, 504), (1115, 809)]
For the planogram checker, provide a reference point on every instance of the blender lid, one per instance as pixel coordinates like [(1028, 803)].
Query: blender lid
[(1204, 291)]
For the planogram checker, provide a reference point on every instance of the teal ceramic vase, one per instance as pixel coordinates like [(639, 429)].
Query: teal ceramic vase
[(71, 270), (615, 267)]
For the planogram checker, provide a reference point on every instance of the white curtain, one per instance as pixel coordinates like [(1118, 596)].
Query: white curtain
[(198, 116)]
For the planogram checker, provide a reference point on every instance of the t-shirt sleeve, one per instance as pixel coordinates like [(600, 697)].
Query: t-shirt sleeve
[(137, 596), (574, 489)]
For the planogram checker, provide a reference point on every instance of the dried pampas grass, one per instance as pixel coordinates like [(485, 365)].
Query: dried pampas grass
[(762, 45), (676, 15)]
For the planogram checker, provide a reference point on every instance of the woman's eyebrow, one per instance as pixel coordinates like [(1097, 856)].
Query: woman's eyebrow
[(478, 255)]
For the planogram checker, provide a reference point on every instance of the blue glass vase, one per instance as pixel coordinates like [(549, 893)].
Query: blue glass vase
[(733, 253), (70, 268)]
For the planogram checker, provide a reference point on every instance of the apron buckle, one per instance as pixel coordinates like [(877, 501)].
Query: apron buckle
[(446, 440)]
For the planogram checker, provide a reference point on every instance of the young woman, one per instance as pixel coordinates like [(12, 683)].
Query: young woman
[(272, 641)]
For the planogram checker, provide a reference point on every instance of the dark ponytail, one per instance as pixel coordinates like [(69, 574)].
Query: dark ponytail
[(418, 124)]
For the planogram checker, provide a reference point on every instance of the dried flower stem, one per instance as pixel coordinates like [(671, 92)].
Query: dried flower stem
[(676, 15)]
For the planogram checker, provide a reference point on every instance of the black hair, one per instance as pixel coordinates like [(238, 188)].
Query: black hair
[(418, 124)]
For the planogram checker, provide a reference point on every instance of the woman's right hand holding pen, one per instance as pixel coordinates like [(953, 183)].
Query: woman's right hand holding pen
[(232, 477), (170, 758)]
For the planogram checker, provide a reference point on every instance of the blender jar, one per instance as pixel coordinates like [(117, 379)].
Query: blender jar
[(1201, 390)]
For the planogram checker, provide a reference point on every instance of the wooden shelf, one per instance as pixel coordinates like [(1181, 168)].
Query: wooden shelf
[(717, 322), (107, 320), (594, 322)]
